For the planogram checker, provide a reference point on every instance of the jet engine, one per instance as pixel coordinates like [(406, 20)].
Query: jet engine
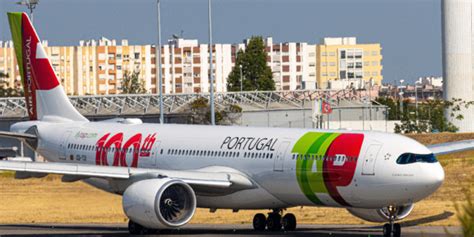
[(159, 203), (382, 214)]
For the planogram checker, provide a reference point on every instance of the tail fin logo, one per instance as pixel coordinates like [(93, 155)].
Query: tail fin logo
[(31, 104)]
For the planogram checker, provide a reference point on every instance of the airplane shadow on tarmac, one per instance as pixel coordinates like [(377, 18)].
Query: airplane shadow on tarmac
[(96, 230), (207, 230)]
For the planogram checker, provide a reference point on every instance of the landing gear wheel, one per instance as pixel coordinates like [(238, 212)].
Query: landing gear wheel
[(289, 222), (274, 222), (259, 221), (387, 230), (134, 228), (397, 230)]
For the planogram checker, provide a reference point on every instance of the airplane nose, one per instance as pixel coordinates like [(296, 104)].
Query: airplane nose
[(436, 176)]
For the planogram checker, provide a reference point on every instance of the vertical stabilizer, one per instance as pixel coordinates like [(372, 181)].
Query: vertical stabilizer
[(44, 95)]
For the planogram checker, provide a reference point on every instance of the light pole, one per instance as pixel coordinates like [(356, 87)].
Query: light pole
[(241, 87), (211, 81), (31, 5), (369, 88), (158, 59), (401, 97), (416, 100)]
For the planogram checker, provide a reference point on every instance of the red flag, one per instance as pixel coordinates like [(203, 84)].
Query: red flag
[(326, 108)]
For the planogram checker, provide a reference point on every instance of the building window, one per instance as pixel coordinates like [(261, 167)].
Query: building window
[(342, 74), (343, 54)]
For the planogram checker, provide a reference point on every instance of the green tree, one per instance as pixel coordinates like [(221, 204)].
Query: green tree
[(392, 106), (6, 91), (431, 116), (201, 112), (131, 83), (256, 74)]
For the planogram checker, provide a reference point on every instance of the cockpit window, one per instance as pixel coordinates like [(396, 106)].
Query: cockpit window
[(408, 158)]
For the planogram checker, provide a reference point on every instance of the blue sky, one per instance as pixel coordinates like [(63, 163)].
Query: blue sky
[(409, 30)]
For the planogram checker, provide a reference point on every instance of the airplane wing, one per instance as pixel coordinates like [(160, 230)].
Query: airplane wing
[(206, 178), (451, 147)]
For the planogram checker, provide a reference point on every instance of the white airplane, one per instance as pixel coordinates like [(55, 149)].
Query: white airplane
[(164, 172)]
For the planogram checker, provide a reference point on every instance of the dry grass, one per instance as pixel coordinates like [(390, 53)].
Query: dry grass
[(47, 200)]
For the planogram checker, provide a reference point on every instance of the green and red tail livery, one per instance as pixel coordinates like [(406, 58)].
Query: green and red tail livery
[(36, 71), (326, 161)]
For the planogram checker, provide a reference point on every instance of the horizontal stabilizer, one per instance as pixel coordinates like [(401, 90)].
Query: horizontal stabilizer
[(19, 136)]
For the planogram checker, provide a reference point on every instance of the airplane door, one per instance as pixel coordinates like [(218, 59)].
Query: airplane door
[(280, 156), (156, 153), (63, 145), (370, 158)]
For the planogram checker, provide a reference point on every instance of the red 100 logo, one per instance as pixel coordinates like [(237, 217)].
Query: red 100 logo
[(133, 144)]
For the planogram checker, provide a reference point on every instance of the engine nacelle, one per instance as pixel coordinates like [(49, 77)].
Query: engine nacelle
[(382, 214), (159, 203)]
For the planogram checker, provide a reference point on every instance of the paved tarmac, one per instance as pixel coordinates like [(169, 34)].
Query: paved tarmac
[(220, 230)]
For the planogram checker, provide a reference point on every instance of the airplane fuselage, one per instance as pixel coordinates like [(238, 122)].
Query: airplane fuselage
[(290, 167)]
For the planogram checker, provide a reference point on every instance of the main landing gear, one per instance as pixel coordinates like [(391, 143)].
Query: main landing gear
[(274, 221), (392, 229)]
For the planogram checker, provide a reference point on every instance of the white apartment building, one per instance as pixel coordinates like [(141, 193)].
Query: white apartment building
[(186, 66), (293, 64)]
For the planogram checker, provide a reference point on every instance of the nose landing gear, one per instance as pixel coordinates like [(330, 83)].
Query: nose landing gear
[(274, 221), (392, 229)]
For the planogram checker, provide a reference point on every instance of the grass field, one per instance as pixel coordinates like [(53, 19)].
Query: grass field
[(47, 200)]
